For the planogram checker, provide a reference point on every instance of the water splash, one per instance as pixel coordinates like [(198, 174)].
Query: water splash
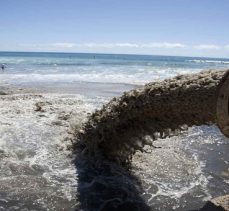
[(158, 110)]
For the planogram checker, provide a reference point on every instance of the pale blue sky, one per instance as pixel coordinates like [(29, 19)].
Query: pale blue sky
[(166, 27)]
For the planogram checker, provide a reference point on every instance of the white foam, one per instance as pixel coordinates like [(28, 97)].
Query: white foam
[(179, 168), (141, 76), (209, 61), (34, 150)]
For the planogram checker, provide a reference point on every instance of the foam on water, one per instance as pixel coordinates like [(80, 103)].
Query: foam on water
[(139, 77), (36, 167), (71, 78), (210, 61), (178, 173)]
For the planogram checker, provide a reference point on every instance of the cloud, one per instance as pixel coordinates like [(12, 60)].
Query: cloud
[(94, 45), (158, 45), (64, 45), (227, 47), (129, 45), (134, 45), (98, 45), (108, 45), (207, 47), (119, 45), (163, 45)]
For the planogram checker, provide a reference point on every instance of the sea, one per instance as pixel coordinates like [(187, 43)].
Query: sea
[(181, 173), (24, 68)]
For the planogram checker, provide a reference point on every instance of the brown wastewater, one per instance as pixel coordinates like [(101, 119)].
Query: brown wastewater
[(112, 137), (158, 110)]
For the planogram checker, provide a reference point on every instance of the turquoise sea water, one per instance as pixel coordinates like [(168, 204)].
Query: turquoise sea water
[(22, 68)]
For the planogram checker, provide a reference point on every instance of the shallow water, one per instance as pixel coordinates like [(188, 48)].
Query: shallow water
[(36, 167), (187, 170)]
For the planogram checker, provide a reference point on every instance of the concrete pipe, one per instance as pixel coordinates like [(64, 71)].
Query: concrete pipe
[(222, 107)]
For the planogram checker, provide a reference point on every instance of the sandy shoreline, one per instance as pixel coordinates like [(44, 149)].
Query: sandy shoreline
[(84, 88)]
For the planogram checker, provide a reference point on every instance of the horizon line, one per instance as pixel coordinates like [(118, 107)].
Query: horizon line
[(127, 54)]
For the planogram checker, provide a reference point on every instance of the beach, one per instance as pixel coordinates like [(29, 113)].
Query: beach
[(40, 109)]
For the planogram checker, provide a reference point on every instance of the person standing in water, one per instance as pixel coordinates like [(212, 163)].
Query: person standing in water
[(3, 67)]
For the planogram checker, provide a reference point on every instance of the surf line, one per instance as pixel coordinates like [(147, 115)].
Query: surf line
[(158, 110)]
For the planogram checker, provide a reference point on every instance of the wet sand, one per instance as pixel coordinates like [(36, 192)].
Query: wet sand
[(84, 88)]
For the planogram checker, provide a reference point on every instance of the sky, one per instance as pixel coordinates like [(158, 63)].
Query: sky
[(155, 27)]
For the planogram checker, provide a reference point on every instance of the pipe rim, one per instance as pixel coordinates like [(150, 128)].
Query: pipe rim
[(222, 105)]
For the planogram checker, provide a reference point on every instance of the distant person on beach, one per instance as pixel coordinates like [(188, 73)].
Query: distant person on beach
[(3, 67)]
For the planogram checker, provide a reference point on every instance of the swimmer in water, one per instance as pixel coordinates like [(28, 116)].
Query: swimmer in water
[(3, 67)]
